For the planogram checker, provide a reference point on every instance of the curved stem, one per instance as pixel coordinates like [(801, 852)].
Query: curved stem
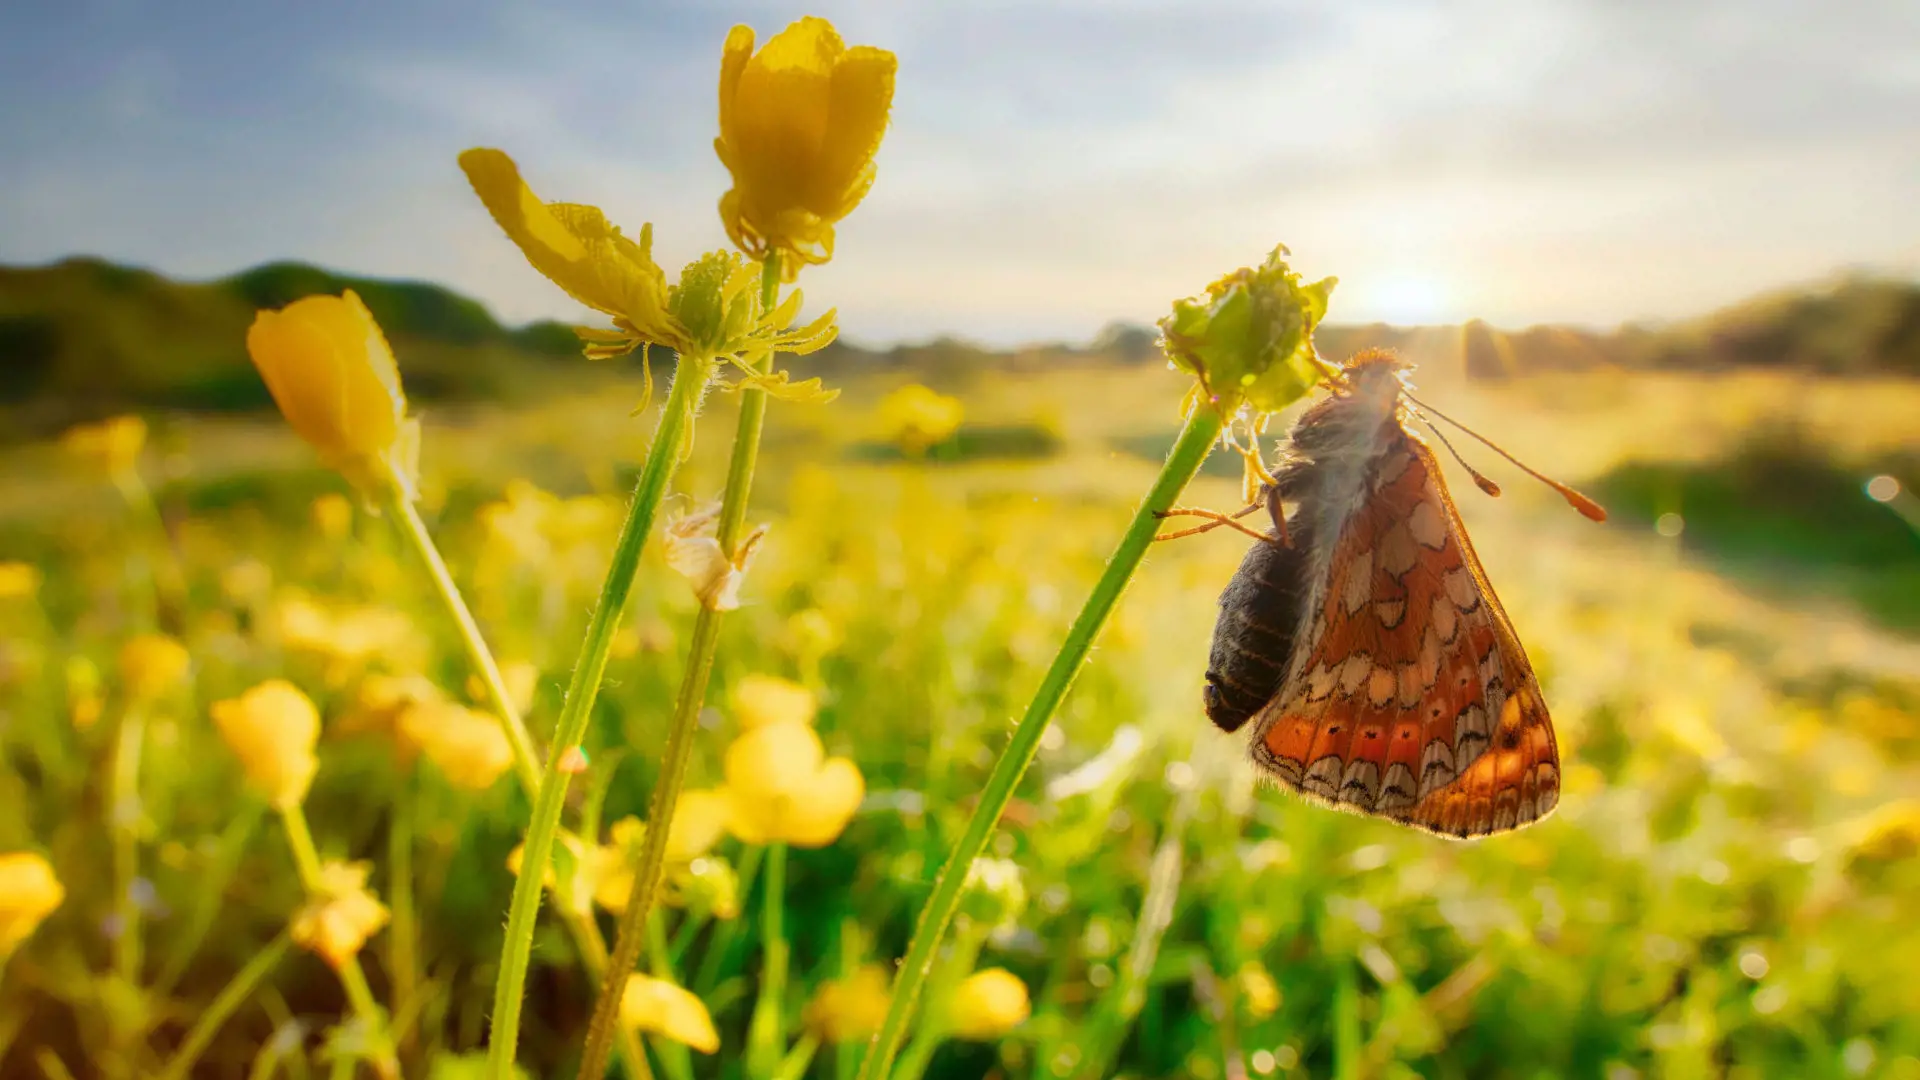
[(306, 858), (237, 991), (1183, 461), (663, 457), (526, 754), (686, 716)]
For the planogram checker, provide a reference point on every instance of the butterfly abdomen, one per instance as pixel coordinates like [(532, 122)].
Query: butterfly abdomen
[(1253, 638)]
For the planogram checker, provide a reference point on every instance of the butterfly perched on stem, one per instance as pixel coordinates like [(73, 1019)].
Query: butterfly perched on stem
[(1361, 641)]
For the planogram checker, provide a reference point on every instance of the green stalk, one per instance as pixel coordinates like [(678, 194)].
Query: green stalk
[(526, 758), (686, 715), (306, 858), (663, 457), (526, 754), (126, 814), (236, 993), (763, 1032), (1183, 461)]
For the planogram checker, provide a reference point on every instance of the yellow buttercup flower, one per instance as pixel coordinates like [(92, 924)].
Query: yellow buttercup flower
[(112, 445), (331, 372), (987, 1004), (19, 580), (272, 728), (649, 1004), (29, 892), (714, 312), (781, 789), (851, 1009), (916, 418), (469, 748), (341, 915), (800, 123), (150, 665), (759, 700)]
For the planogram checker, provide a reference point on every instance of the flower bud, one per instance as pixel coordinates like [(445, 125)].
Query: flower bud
[(29, 892), (987, 1004)]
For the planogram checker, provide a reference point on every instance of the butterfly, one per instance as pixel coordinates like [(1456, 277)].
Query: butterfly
[(1362, 645)]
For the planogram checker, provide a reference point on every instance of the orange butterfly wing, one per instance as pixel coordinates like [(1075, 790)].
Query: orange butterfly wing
[(1413, 699)]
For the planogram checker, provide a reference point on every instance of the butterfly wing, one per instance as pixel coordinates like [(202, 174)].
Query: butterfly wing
[(1410, 696)]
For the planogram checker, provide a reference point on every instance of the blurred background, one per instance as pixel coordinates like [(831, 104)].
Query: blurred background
[(1666, 253)]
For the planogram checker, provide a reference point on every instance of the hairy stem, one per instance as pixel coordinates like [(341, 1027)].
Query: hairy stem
[(663, 457), (1183, 461), (686, 715)]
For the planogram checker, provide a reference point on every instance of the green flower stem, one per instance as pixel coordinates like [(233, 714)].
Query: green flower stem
[(526, 757), (764, 1031), (238, 990), (126, 812), (526, 754), (651, 863), (306, 858), (663, 457), (1183, 461)]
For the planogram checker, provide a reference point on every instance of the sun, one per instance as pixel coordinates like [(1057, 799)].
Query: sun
[(1406, 299)]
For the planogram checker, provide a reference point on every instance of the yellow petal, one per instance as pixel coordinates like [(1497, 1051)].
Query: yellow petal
[(698, 823), (988, 1004), (860, 100), (760, 700), (151, 664), (29, 892), (272, 729), (575, 247), (765, 769), (649, 1004), (851, 1009), (332, 374), (821, 811)]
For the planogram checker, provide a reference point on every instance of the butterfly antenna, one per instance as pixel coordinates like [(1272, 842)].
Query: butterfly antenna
[(1589, 509)]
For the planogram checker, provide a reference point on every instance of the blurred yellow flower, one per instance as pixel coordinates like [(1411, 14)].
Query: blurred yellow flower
[(1259, 994), (112, 445), (332, 515), (987, 1004), (29, 892), (329, 369), (1888, 835), (341, 914), (272, 728), (469, 748), (916, 418), (713, 312), (800, 123), (699, 820), (19, 580), (658, 1006), (780, 789), (522, 682), (760, 700), (850, 1009), (83, 692), (349, 637), (150, 665)]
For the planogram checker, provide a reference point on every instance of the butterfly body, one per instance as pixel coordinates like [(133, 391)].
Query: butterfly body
[(1362, 645)]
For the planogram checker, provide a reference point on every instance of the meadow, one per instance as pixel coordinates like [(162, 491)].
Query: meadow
[(1726, 889)]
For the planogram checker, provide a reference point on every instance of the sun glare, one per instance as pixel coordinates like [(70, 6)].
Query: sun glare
[(1406, 299)]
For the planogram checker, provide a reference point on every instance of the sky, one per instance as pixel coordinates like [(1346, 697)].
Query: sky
[(1051, 166)]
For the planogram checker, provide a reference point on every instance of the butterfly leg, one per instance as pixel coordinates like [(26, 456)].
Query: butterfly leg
[(1214, 519)]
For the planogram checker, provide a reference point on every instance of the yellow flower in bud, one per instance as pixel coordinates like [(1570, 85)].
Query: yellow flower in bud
[(150, 665), (987, 1004), (800, 123), (760, 700), (272, 729), (469, 748), (19, 580), (781, 789), (111, 445), (658, 1006), (916, 418), (851, 1009), (29, 892), (341, 914), (713, 313), (329, 369), (332, 515)]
